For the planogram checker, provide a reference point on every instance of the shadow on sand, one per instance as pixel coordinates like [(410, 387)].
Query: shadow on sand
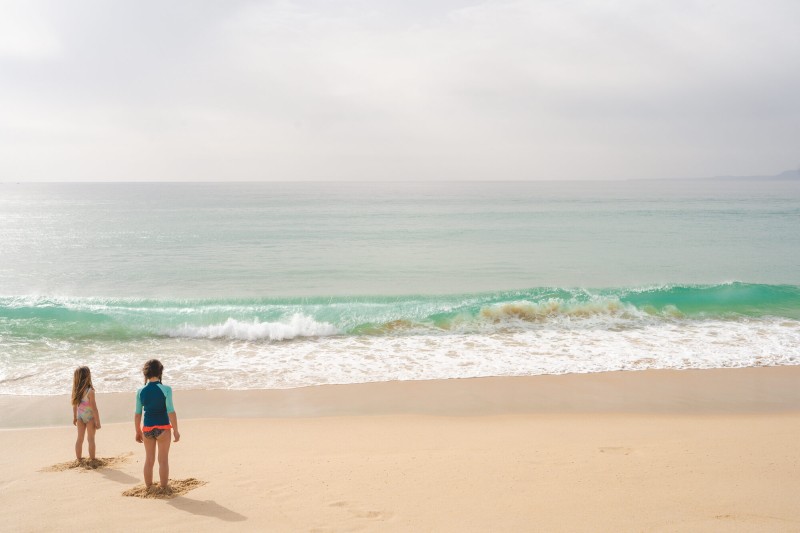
[(206, 508), (118, 476)]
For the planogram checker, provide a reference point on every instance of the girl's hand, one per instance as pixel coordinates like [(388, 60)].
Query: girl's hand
[(139, 436), (97, 424), (74, 421), (176, 436)]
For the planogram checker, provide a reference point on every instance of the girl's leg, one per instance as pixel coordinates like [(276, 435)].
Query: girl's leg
[(90, 430), (79, 442), (164, 441), (149, 460)]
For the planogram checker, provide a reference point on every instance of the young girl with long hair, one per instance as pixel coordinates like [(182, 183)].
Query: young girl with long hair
[(85, 415)]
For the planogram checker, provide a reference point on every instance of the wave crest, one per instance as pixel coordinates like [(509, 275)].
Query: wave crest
[(537, 312), (298, 326)]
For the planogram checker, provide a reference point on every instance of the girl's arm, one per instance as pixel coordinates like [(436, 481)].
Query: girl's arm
[(74, 415), (137, 421), (93, 405), (173, 419), (137, 417)]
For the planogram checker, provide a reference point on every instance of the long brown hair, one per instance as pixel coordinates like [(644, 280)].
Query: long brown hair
[(81, 382), (152, 369)]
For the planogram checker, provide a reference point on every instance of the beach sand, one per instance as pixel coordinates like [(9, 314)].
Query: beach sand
[(707, 450)]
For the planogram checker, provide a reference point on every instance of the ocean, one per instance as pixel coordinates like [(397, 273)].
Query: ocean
[(278, 285)]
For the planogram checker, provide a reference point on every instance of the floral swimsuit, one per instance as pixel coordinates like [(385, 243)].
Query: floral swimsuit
[(84, 412)]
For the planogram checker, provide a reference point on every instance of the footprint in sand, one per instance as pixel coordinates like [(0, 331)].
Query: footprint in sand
[(176, 487), (616, 450), (359, 513), (89, 464)]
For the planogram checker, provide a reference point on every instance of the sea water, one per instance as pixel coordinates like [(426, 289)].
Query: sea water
[(276, 285)]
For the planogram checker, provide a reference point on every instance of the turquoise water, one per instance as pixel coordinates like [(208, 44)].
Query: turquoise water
[(281, 285)]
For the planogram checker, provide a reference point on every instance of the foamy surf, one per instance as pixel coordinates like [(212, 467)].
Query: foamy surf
[(225, 363), (297, 326)]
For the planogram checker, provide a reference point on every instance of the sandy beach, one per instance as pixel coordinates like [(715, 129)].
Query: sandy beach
[(704, 450)]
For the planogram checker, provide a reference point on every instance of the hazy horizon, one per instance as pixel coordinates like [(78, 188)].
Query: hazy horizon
[(389, 91), (790, 174)]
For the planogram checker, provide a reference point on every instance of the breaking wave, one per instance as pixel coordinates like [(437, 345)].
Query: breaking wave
[(275, 319), (297, 326)]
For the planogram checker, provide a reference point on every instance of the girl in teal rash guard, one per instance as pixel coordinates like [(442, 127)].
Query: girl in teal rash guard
[(155, 399)]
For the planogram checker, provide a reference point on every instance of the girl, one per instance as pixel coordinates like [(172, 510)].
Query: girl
[(85, 415), (159, 421)]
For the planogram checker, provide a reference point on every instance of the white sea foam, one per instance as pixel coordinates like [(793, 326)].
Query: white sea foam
[(225, 357), (297, 326)]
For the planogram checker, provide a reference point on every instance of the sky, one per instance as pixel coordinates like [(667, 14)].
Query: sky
[(139, 90)]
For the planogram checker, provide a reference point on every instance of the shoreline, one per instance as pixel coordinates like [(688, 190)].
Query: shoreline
[(709, 391)]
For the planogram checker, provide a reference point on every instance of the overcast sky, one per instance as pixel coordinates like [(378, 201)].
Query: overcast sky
[(411, 89)]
